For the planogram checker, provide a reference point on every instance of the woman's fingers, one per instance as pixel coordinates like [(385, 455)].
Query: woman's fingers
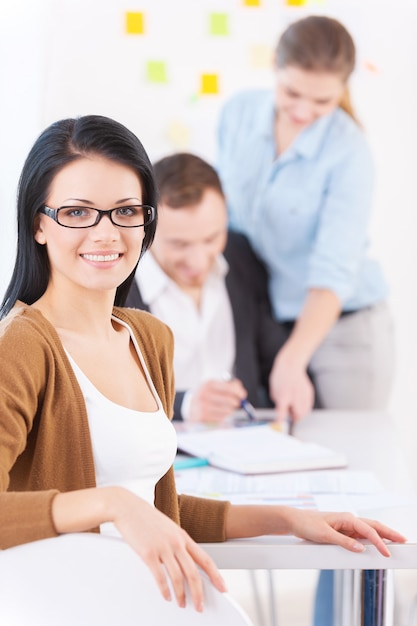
[(385, 531), (182, 571), (180, 567), (159, 573), (343, 529), (375, 532), (346, 529), (206, 563), (169, 552)]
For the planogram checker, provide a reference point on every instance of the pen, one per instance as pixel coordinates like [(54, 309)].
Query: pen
[(249, 409), (290, 425), (245, 404)]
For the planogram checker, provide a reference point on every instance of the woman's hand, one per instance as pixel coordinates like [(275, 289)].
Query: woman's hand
[(289, 385), (290, 389), (343, 529), (167, 549)]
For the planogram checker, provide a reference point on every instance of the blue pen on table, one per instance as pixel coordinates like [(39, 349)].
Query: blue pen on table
[(249, 409), (245, 404)]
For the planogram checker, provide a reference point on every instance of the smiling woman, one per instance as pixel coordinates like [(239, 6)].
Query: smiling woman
[(86, 387), (80, 239), (65, 143), (298, 178)]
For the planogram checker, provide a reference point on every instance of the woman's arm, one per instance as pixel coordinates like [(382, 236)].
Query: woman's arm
[(289, 385), (342, 529), (167, 549)]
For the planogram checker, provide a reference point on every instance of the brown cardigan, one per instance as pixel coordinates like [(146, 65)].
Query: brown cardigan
[(45, 444)]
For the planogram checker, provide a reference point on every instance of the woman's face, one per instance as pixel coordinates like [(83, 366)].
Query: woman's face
[(100, 257), (303, 96)]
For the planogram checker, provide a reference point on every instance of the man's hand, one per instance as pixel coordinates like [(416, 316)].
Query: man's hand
[(215, 400)]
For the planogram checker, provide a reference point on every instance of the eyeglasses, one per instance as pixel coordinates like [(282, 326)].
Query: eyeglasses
[(131, 216)]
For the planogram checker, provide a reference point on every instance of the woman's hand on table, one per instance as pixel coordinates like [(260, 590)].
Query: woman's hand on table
[(343, 529)]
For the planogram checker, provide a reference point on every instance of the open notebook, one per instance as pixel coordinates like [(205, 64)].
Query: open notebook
[(257, 450)]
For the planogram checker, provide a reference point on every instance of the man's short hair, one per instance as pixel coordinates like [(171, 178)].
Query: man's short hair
[(183, 178)]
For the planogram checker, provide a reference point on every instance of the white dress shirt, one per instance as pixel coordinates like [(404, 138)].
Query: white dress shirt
[(204, 338)]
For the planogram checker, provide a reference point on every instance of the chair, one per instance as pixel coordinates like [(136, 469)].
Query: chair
[(91, 580)]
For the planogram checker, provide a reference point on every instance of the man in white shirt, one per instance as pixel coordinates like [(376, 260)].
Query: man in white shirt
[(210, 288)]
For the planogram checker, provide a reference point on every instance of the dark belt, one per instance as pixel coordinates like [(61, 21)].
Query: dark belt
[(289, 324)]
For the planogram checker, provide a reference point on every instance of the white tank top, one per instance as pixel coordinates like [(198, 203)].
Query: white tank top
[(132, 449)]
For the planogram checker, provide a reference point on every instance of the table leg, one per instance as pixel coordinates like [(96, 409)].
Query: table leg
[(363, 598)]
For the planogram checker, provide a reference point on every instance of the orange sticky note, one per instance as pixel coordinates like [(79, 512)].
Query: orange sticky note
[(135, 23), (371, 67), (209, 84)]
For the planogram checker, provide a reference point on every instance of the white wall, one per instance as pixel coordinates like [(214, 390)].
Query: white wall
[(71, 57)]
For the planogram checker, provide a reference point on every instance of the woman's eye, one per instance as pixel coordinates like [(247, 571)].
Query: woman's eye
[(127, 211), (77, 212)]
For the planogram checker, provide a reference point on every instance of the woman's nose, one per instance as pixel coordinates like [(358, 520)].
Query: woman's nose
[(105, 230)]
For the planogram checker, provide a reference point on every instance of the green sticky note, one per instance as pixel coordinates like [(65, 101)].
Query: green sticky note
[(219, 24), (156, 72)]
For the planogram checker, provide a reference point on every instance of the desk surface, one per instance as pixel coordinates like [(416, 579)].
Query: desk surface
[(369, 440)]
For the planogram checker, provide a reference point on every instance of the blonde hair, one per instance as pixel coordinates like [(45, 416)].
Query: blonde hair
[(319, 44)]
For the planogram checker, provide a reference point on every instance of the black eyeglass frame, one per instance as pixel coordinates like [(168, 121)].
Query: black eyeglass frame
[(53, 214)]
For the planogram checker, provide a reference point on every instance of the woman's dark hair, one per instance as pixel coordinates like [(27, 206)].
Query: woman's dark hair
[(62, 143), (319, 44)]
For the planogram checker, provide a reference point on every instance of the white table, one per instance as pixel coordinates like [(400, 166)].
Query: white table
[(369, 440)]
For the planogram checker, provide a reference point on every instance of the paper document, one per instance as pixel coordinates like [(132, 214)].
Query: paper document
[(257, 450), (206, 481)]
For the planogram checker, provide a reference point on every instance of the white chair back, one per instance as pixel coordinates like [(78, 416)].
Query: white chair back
[(91, 580)]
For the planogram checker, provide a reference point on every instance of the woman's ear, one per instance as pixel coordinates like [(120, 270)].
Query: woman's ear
[(38, 233)]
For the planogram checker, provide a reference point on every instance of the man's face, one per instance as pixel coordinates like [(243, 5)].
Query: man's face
[(189, 239)]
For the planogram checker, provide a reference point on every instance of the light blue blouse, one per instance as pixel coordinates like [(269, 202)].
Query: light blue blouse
[(306, 213)]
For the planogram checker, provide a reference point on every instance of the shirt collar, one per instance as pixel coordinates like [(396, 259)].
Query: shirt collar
[(308, 142), (152, 280)]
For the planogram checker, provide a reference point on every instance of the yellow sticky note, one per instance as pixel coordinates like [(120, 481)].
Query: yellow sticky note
[(219, 24), (135, 23), (209, 84), (296, 3), (252, 3), (179, 135), (261, 56), (156, 72)]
